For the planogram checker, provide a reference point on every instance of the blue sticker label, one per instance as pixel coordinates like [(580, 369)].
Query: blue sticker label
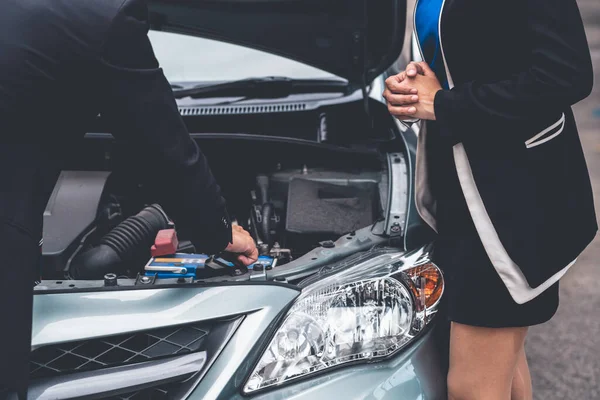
[(265, 261), (182, 265)]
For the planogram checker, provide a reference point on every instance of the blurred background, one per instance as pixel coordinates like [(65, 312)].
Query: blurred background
[(564, 354)]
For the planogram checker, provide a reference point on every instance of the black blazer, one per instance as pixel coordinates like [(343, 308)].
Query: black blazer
[(515, 69), (63, 62)]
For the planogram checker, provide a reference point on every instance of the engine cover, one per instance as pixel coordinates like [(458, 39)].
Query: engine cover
[(70, 212)]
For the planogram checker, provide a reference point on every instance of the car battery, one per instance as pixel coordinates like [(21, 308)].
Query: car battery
[(219, 266), (200, 266), (176, 265), (263, 262)]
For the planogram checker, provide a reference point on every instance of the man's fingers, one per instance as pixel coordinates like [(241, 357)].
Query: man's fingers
[(394, 83), (427, 69), (237, 228), (418, 68), (402, 89), (414, 68), (248, 258), (245, 261), (400, 100), (399, 88), (402, 111)]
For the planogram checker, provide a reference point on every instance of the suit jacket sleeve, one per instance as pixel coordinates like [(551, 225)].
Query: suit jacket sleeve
[(559, 75), (139, 106)]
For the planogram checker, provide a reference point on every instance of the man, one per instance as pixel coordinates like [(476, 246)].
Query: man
[(62, 62)]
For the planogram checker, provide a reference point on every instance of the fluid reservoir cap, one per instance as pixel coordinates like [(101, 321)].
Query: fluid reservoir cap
[(258, 267), (110, 280)]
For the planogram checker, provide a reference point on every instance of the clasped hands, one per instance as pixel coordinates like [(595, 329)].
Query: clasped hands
[(410, 94)]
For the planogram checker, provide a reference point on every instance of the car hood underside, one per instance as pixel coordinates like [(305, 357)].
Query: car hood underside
[(354, 39)]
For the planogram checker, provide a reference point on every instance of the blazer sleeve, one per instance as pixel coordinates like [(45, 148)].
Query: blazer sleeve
[(139, 106), (559, 75)]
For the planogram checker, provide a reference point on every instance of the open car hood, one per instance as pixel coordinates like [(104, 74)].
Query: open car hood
[(353, 39)]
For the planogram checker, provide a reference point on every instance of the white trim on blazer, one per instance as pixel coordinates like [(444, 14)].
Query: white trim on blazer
[(509, 272), (534, 140)]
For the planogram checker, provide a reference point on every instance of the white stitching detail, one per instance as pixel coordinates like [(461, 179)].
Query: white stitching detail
[(532, 142)]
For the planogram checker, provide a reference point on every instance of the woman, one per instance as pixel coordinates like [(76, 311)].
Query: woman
[(501, 175)]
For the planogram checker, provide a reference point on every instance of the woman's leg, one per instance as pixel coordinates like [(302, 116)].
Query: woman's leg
[(483, 361), (521, 384)]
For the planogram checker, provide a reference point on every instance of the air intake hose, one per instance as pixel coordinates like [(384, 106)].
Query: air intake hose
[(131, 238), (267, 213)]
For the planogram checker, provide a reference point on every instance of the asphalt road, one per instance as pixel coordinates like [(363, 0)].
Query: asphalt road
[(564, 354)]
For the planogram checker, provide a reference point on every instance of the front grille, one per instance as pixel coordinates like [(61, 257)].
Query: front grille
[(154, 393), (231, 110), (117, 350)]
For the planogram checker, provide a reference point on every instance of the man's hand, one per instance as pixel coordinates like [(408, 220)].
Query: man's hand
[(399, 96), (411, 93), (415, 68), (243, 245)]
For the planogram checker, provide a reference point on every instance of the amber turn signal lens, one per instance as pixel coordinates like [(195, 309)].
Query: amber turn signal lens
[(433, 285)]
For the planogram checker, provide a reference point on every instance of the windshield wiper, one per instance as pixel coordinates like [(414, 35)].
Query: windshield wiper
[(271, 87)]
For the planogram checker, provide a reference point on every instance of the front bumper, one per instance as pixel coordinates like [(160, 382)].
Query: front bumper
[(67, 317)]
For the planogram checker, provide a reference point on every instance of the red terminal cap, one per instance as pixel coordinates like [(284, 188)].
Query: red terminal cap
[(166, 243)]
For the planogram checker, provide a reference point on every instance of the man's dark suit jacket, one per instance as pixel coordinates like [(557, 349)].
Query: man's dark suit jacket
[(63, 62)]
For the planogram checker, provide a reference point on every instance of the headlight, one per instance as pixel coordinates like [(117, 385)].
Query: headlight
[(359, 311)]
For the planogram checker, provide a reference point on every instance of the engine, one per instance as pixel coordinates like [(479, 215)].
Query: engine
[(93, 226)]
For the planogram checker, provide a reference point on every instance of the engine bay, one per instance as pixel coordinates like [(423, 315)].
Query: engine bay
[(99, 224)]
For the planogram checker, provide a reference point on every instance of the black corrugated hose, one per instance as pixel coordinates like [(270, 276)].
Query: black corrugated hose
[(131, 237)]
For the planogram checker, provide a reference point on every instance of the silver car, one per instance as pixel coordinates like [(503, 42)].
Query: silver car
[(344, 302)]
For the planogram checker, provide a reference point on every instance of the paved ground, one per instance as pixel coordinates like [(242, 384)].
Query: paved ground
[(564, 354)]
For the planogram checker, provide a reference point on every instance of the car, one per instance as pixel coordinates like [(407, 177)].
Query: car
[(345, 302)]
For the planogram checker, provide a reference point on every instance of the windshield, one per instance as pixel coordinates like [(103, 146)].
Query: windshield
[(187, 58)]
